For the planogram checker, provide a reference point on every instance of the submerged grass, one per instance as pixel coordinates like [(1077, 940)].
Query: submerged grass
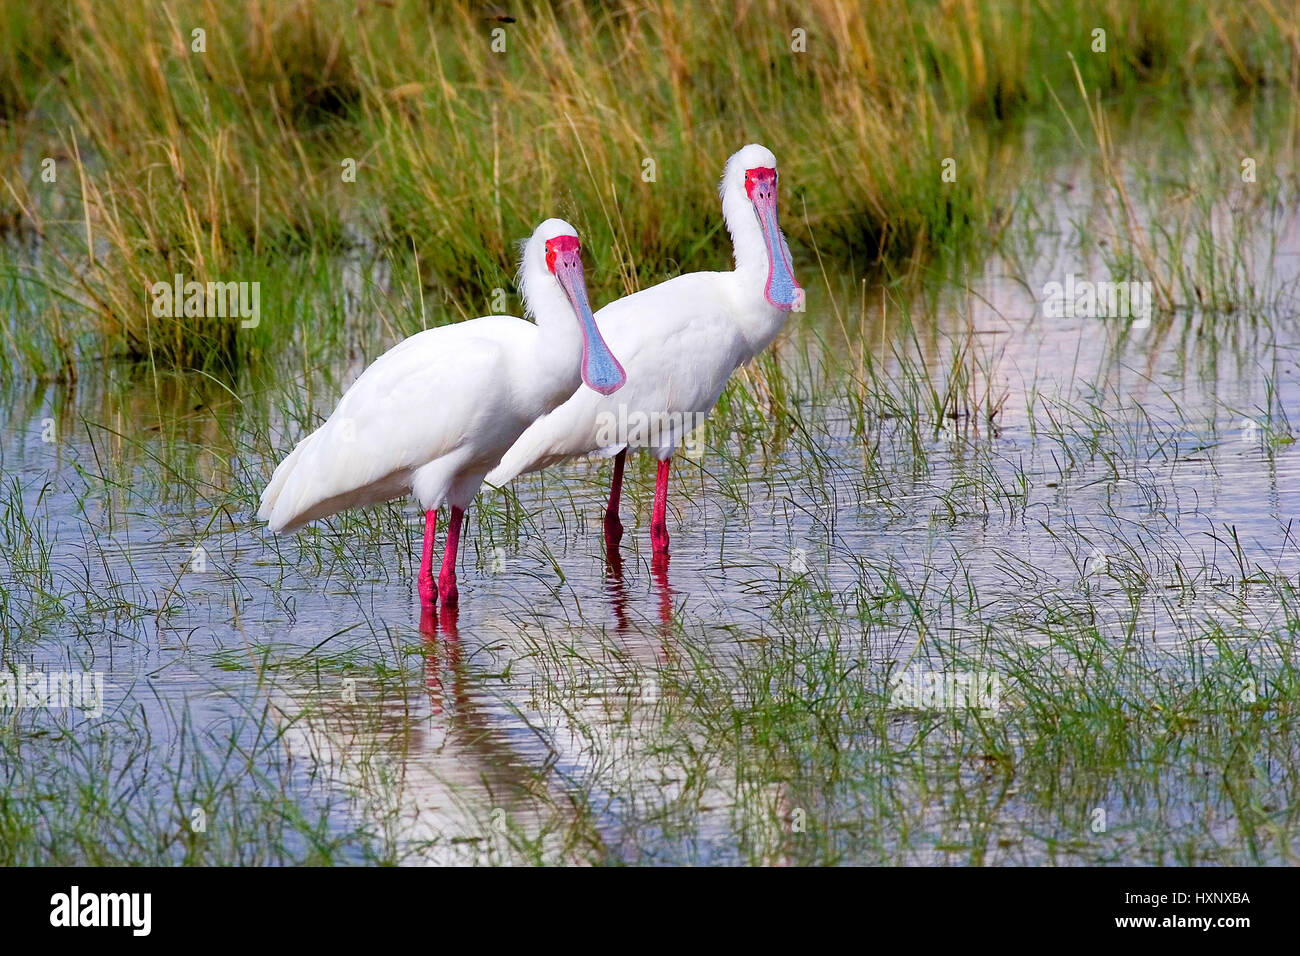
[(742, 713)]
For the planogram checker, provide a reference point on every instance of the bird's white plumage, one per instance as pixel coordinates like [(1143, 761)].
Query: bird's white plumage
[(679, 342), (436, 411), (677, 364)]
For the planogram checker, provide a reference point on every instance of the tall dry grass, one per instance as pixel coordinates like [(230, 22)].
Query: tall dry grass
[(225, 163)]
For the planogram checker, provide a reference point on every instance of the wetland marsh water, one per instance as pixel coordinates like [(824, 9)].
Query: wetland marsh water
[(1115, 544)]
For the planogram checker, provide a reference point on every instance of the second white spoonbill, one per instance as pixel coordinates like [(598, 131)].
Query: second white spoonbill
[(680, 341)]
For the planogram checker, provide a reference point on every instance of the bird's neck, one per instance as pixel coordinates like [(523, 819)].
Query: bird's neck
[(758, 319), (746, 239), (559, 346)]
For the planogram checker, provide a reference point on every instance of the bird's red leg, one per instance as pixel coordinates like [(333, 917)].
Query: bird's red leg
[(447, 577), (424, 582), (659, 519), (614, 527)]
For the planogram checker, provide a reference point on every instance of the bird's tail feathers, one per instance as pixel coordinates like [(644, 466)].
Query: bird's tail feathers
[(550, 440), (271, 494)]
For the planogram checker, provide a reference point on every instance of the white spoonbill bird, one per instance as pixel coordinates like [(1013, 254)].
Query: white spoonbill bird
[(679, 341), (432, 414)]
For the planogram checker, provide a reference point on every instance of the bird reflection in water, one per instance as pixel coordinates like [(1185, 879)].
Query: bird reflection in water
[(616, 587)]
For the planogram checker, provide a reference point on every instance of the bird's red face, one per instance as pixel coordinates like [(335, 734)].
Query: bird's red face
[(562, 248), (760, 183), (600, 369), (781, 291)]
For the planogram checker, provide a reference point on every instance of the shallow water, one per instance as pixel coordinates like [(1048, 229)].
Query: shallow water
[(1136, 484)]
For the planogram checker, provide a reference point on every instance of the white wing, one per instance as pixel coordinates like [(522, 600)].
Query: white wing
[(678, 347), (434, 404)]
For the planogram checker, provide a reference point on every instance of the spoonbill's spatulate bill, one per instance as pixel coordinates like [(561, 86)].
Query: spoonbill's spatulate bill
[(679, 341), (434, 413)]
